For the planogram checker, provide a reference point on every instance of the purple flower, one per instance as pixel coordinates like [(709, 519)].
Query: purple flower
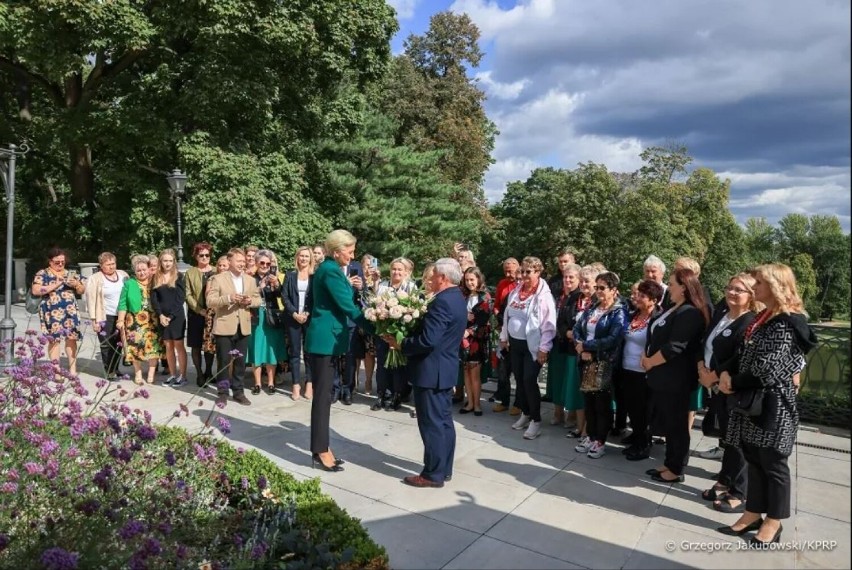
[(59, 559), (170, 458), (102, 477), (235, 353), (223, 385), (238, 540), (88, 507), (223, 425), (114, 424), (33, 468), (4, 541), (12, 475), (181, 552), (258, 551), (9, 488), (165, 528), (219, 403), (131, 529), (151, 547), (146, 433), (244, 483), (261, 482)]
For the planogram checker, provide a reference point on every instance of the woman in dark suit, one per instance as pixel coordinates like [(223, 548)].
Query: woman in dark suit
[(771, 357), (674, 341), (327, 338), (297, 302), (720, 343)]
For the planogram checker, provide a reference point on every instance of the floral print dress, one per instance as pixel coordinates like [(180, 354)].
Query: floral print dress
[(58, 309), (143, 340), (475, 345)]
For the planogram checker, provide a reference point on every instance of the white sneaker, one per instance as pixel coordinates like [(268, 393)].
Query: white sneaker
[(522, 422), (533, 431), (597, 450), (713, 453), (584, 445)]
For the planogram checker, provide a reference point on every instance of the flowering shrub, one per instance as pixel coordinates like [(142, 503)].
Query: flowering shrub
[(87, 481), (398, 314)]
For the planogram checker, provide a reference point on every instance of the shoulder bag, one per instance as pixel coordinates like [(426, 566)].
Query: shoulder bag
[(748, 402), (32, 302), (596, 375)]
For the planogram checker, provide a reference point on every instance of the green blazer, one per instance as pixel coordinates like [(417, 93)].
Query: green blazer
[(131, 297), (327, 332)]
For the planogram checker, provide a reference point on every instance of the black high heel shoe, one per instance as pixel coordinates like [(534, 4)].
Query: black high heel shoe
[(758, 544), (748, 528), (317, 463)]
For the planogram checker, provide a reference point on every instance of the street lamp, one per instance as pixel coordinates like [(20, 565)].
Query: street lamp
[(8, 157), (177, 184)]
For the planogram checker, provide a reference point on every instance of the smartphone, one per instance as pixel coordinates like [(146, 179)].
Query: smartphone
[(274, 270), (353, 272), (374, 263)]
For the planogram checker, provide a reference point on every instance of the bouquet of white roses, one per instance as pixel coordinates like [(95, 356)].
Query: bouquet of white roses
[(398, 314)]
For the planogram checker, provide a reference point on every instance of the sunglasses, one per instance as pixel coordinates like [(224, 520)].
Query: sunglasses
[(601, 287), (263, 263), (203, 255), (58, 261), (528, 271)]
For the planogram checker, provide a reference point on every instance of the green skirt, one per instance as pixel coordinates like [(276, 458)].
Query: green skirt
[(267, 344), (563, 381)]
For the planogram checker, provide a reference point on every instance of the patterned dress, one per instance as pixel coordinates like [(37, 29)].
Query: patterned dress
[(475, 347), (58, 309), (143, 340)]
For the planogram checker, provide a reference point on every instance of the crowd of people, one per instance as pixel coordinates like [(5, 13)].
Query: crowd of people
[(650, 353)]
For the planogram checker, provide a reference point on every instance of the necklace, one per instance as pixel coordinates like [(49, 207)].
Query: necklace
[(112, 280), (762, 317), (524, 295), (638, 323)]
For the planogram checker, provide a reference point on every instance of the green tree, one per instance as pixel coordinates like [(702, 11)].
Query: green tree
[(109, 92), (761, 241), (664, 163), (398, 203)]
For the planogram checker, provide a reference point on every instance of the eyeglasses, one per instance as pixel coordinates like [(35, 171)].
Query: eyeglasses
[(735, 290), (203, 255), (601, 287), (529, 271), (263, 263), (58, 261)]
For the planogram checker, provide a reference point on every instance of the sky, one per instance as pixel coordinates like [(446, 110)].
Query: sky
[(758, 90)]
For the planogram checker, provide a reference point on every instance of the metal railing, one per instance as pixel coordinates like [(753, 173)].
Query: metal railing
[(828, 366)]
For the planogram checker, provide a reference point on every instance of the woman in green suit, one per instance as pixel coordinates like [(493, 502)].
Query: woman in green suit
[(327, 337)]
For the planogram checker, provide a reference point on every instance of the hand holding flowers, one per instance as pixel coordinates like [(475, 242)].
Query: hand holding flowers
[(396, 315)]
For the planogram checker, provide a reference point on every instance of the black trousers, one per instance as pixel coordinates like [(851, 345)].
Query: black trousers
[(768, 482), (324, 368), (634, 387), (230, 349), (671, 418), (734, 471), (110, 352), (504, 386), (526, 370), (393, 380), (598, 414), (296, 337), (620, 401)]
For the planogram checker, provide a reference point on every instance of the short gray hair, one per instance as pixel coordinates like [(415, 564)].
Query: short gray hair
[(654, 261), (265, 253), (449, 268)]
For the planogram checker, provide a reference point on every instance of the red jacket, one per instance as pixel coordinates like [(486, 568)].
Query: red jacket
[(504, 287)]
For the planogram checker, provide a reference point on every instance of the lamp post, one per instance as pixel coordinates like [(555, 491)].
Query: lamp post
[(8, 156), (177, 184)]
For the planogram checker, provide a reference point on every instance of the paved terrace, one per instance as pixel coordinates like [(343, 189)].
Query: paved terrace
[(514, 503)]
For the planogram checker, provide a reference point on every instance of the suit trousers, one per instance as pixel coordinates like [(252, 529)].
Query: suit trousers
[(526, 370), (504, 386), (434, 409), (634, 386), (734, 472), (324, 368), (109, 338), (598, 414), (296, 338), (671, 417), (225, 355), (769, 487), (344, 378)]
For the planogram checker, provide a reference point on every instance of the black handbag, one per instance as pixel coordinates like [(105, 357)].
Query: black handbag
[(274, 317), (748, 402), (710, 426)]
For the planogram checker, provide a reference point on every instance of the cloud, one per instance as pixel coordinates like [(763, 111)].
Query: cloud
[(758, 88), (404, 8)]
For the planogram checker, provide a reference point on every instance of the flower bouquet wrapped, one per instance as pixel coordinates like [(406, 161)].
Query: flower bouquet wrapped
[(398, 314)]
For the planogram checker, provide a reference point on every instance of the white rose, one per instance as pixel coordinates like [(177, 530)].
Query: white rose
[(393, 302), (415, 314), (407, 319), (370, 314), (402, 295), (395, 312)]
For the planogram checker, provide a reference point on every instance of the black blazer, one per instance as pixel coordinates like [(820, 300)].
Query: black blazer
[(566, 318), (290, 296), (678, 337), (727, 342)]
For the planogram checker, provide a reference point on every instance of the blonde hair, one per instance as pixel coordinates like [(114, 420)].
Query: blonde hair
[(310, 251), (137, 259), (428, 271), (688, 263), (747, 280), (782, 285), (163, 278), (590, 272), (225, 258), (406, 263), (533, 262), (337, 240)]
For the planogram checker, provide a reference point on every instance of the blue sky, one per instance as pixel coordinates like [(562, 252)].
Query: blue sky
[(759, 91)]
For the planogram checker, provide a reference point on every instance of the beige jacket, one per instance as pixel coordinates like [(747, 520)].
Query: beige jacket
[(95, 294), (229, 316)]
